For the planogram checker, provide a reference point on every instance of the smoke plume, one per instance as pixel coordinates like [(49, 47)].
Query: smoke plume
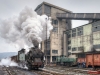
[(25, 28)]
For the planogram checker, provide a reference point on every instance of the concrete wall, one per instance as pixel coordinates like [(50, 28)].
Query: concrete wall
[(87, 29), (56, 38), (83, 40), (87, 32), (89, 40)]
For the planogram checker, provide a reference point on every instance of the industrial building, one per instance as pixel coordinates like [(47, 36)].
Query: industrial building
[(65, 41), (54, 43), (83, 39)]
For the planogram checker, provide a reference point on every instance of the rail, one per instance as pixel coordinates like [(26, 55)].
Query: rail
[(5, 69)]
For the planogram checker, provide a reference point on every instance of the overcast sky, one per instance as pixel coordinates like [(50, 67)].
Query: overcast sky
[(9, 8)]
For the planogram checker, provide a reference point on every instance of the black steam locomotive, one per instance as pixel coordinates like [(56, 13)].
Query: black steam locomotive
[(34, 59)]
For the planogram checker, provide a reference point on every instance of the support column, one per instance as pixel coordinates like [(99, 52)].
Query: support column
[(59, 37), (65, 53), (50, 58)]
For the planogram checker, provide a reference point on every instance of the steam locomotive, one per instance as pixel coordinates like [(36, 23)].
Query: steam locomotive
[(34, 59)]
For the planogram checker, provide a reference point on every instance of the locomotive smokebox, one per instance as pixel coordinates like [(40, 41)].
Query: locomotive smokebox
[(35, 43)]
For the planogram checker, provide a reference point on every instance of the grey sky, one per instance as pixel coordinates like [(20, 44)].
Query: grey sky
[(9, 8)]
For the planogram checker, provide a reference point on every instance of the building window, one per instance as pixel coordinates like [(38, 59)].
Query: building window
[(48, 52), (69, 42), (69, 47), (80, 48), (55, 29), (74, 49), (47, 45), (68, 24), (54, 58), (69, 53), (74, 30), (80, 31), (68, 35), (55, 22), (68, 32), (80, 28), (73, 34), (55, 51), (96, 46)]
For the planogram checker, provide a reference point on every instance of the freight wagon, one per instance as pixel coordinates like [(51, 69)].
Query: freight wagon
[(93, 60)]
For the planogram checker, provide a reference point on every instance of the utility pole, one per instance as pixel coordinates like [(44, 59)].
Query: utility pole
[(46, 43)]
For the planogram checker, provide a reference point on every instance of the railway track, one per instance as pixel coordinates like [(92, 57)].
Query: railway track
[(61, 72), (67, 71), (14, 71), (44, 71), (7, 70)]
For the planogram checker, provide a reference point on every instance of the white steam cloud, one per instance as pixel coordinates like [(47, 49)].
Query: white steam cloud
[(25, 28), (7, 62)]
